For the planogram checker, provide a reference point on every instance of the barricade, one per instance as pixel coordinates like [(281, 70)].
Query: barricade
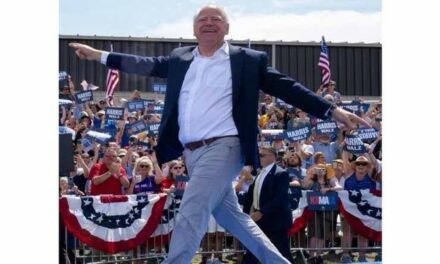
[(324, 233)]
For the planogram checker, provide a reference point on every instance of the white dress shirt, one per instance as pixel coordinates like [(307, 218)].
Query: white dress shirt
[(205, 101), (259, 183)]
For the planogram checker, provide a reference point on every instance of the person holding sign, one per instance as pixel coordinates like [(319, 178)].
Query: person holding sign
[(210, 116), (319, 226)]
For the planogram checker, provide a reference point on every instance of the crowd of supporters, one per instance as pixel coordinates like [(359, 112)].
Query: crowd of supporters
[(127, 164)]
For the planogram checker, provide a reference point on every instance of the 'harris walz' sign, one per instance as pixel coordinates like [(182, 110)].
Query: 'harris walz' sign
[(136, 128), (354, 145), (316, 201), (353, 107), (367, 134), (181, 182), (299, 133), (153, 128), (84, 96), (327, 127), (138, 105), (114, 113)]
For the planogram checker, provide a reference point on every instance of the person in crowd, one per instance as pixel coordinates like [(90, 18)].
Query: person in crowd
[(143, 180), (331, 90), (301, 118), (215, 125), (356, 178), (268, 205), (274, 123), (330, 149), (175, 168), (109, 176), (320, 226)]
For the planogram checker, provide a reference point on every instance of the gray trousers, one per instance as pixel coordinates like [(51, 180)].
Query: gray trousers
[(211, 169)]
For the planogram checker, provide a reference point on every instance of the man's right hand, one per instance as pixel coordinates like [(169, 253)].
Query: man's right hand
[(85, 52)]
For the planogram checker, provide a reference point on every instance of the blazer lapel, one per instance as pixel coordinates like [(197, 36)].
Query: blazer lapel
[(236, 57)]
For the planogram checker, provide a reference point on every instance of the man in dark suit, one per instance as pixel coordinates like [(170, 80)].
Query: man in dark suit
[(210, 116), (267, 203)]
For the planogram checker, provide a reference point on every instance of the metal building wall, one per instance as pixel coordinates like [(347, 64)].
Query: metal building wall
[(357, 68)]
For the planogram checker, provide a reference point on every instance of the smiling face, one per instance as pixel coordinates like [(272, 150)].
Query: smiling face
[(210, 26)]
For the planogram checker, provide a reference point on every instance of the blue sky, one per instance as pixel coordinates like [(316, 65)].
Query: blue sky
[(287, 20)]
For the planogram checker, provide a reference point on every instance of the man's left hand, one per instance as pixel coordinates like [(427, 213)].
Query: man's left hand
[(256, 216), (349, 119)]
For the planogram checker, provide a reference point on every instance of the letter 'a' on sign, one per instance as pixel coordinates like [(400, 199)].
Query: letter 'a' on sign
[(322, 202)]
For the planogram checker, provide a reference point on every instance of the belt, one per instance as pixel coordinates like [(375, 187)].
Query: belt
[(197, 144)]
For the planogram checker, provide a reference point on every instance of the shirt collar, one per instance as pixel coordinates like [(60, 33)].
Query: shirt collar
[(224, 49), (268, 167)]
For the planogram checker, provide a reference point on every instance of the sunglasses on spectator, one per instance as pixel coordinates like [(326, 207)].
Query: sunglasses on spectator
[(177, 168), (292, 149), (361, 163), (144, 166)]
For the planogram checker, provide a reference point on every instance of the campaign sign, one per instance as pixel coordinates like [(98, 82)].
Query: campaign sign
[(101, 136), (87, 143), (316, 201), (158, 109), (298, 133), (159, 88), (135, 106), (84, 96), (181, 182), (264, 144), (354, 144), (153, 128), (352, 107), (136, 127), (327, 127), (367, 134), (365, 107), (114, 113)]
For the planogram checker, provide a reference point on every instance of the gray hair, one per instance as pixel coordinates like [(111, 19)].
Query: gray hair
[(219, 8)]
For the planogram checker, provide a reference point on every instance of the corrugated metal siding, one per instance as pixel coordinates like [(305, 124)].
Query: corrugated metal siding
[(357, 68)]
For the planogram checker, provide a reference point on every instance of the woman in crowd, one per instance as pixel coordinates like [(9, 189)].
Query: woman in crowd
[(320, 225), (143, 180)]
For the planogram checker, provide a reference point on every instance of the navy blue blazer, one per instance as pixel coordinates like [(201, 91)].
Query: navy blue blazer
[(250, 73), (274, 201)]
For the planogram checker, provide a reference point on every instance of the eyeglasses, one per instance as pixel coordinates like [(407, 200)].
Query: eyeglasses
[(177, 168), (144, 166), (361, 163)]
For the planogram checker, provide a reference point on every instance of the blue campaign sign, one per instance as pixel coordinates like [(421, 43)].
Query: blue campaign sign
[(114, 113), (298, 133), (153, 128), (101, 136), (180, 184), (365, 107), (327, 127), (159, 87), (84, 96), (87, 143), (136, 128), (367, 134), (158, 109), (264, 144), (354, 144), (135, 106), (352, 107), (316, 201), (148, 102)]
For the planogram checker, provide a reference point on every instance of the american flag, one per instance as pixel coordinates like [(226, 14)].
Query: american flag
[(111, 83), (324, 63)]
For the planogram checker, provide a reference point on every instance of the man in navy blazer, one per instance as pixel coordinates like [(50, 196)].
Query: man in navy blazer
[(210, 116), (268, 204)]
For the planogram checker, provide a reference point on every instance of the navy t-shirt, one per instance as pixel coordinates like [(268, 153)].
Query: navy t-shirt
[(351, 183), (147, 185)]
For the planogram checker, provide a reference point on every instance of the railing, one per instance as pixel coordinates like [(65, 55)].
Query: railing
[(326, 234)]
